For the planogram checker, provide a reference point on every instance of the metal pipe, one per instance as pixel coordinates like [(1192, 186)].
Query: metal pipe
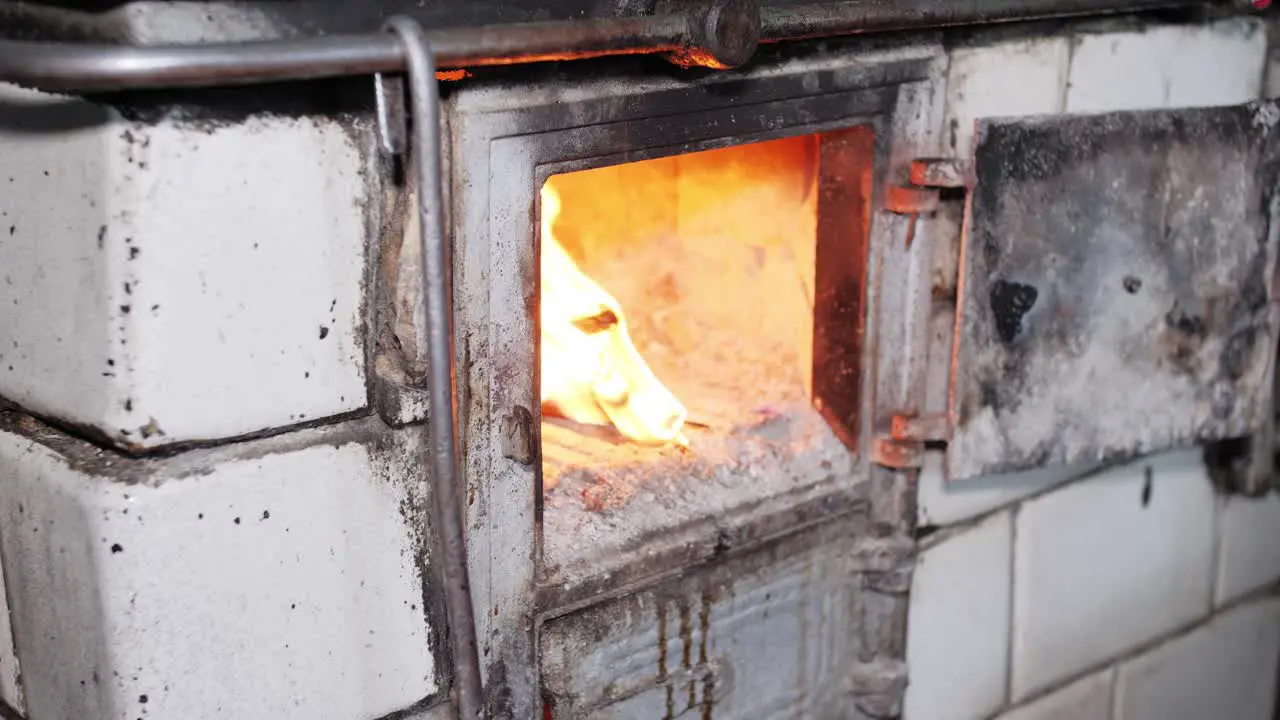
[(95, 67), (442, 418), (815, 20)]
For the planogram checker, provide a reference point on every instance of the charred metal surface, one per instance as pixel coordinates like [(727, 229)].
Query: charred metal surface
[(691, 646), (146, 22), (1247, 465), (519, 438), (714, 33), (845, 183), (508, 134), (723, 33), (593, 576), (808, 20), (1116, 284)]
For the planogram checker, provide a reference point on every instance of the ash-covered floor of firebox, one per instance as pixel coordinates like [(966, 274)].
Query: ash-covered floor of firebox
[(608, 498)]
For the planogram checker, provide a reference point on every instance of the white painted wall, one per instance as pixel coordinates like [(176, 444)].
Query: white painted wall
[(179, 281), (1131, 593)]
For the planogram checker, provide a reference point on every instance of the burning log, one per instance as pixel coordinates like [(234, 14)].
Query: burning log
[(591, 371)]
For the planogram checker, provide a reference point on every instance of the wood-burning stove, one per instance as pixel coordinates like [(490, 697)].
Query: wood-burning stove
[(766, 234), (775, 400)]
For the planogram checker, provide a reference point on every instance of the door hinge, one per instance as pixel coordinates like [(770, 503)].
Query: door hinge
[(927, 177), (908, 437), (941, 173)]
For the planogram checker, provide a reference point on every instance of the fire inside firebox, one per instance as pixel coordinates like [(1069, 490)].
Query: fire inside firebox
[(701, 343), (676, 318)]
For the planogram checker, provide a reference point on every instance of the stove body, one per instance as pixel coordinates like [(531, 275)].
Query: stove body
[(782, 540), (224, 449)]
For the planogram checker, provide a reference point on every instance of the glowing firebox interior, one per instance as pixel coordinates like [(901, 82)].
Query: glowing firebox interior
[(677, 313)]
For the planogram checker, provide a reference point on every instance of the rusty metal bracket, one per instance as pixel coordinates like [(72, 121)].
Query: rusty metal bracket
[(941, 173), (927, 176), (922, 195), (908, 200), (926, 428), (911, 201), (909, 435), (896, 454)]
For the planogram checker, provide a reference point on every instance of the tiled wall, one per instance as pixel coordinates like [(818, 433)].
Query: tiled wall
[(177, 281), (144, 264), (1132, 593)]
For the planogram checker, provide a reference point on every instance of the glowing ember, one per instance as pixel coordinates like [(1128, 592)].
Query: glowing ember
[(591, 371)]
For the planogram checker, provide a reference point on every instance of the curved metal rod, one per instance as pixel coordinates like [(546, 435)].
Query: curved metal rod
[(93, 67), (442, 418)]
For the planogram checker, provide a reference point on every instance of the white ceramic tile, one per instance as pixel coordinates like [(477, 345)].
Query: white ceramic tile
[(957, 642), (1087, 699), (10, 673), (1108, 563), (1225, 669), (273, 579), (1249, 549), (1026, 77), (939, 502), (179, 281), (1168, 67)]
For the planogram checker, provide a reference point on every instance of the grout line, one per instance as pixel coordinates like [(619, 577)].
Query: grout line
[(1113, 663), (1012, 624), (945, 532), (1113, 693), (1215, 558)]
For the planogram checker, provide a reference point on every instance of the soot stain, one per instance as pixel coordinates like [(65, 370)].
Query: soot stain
[(1146, 486), (1010, 302)]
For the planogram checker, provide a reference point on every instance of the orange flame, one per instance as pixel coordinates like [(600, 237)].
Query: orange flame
[(591, 372)]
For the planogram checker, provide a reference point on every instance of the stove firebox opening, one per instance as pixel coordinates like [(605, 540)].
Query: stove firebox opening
[(677, 321)]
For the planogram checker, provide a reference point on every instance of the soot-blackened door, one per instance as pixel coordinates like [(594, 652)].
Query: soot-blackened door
[(1115, 286)]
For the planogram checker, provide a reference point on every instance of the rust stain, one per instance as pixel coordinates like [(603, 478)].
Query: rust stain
[(686, 655), (662, 659), (709, 679), (704, 627)]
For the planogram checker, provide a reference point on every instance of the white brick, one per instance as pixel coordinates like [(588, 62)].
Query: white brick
[(1107, 564), (1006, 79), (270, 579), (10, 677), (1087, 699), (1225, 669), (172, 282), (957, 647), (1168, 67), (939, 502), (1249, 551)]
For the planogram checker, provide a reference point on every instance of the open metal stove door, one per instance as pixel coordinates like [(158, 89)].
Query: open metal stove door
[(1115, 287)]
